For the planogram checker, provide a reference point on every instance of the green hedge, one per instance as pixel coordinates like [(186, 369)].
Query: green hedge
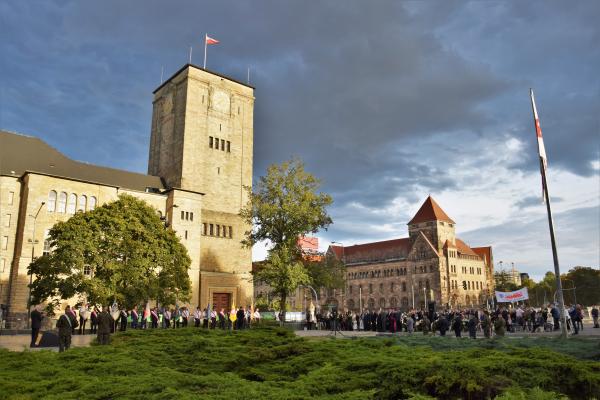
[(273, 363)]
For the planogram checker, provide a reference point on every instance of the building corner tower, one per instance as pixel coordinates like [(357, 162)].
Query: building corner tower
[(202, 141)]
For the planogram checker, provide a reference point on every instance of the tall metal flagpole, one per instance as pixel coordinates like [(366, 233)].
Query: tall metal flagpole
[(190, 54), (205, 37), (561, 303)]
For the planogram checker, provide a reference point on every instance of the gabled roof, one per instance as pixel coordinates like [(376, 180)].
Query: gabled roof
[(430, 211), (485, 253), (375, 251), (464, 248), (20, 154)]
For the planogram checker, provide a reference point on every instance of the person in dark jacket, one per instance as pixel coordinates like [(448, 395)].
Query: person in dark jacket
[(123, 319), (65, 325), (36, 324), (595, 316), (105, 323), (240, 318), (457, 324), (443, 325), (473, 322)]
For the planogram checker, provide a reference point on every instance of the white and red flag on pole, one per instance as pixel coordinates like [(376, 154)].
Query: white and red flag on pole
[(540, 139), (208, 40)]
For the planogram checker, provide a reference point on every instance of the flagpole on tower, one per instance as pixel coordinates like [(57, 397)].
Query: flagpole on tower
[(542, 154), (205, 43), (190, 54)]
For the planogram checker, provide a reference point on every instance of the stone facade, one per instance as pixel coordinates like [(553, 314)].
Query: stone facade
[(432, 264), (195, 188)]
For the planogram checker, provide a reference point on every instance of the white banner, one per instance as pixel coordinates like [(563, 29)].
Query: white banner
[(512, 297)]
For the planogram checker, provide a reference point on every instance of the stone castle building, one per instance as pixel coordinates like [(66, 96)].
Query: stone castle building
[(200, 160), (430, 264)]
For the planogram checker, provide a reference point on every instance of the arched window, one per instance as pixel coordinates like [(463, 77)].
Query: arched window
[(82, 204), (371, 304), (382, 302), (392, 287), (351, 304), (394, 302), (405, 302), (404, 286), (71, 203), (467, 299), (62, 202), (52, 201), (427, 285), (92, 204), (381, 288)]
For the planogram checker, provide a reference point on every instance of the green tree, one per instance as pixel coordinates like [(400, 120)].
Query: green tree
[(119, 252), (329, 272), (284, 206), (503, 282), (586, 282)]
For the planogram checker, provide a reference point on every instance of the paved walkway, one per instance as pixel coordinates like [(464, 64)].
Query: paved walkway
[(21, 342)]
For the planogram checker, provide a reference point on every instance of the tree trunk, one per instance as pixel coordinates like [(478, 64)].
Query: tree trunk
[(282, 301)]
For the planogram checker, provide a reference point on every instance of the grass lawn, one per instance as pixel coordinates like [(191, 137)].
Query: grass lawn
[(275, 364)]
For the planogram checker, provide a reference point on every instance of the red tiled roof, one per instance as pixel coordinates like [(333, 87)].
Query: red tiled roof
[(485, 253), (308, 243), (430, 211), (463, 248), (375, 251)]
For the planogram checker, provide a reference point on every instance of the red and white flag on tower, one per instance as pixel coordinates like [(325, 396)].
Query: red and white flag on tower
[(210, 40), (540, 139)]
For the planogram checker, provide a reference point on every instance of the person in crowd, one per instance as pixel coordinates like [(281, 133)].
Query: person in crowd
[(486, 324), (123, 319), (256, 316), (154, 318), (73, 317), (166, 318), (232, 319), (595, 316), (36, 324), (426, 324), (206, 317), (443, 325), (94, 321), (134, 317), (197, 317), (83, 317), (185, 316), (457, 324), (222, 319), (240, 318), (65, 325), (105, 322), (410, 325), (555, 316), (500, 326), (473, 324), (213, 318)]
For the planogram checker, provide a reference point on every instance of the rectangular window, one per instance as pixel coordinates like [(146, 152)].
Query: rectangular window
[(11, 197), (211, 229), (186, 235), (183, 215), (204, 228), (223, 144), (47, 247), (7, 220), (191, 216), (87, 270), (230, 232), (187, 216), (4, 243), (210, 142), (218, 230), (224, 231), (228, 146)]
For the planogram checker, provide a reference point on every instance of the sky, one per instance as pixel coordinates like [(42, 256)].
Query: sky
[(386, 102)]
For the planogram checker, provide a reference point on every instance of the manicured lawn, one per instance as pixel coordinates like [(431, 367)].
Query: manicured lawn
[(275, 364)]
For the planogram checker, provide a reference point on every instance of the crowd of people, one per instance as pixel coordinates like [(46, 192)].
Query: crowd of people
[(106, 320), (474, 321)]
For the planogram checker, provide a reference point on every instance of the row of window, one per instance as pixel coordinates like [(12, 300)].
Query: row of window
[(217, 230), (470, 285), (385, 273), (213, 143), (187, 216), (420, 285), (63, 203), (472, 270)]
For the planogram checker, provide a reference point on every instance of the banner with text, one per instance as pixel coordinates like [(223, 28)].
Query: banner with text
[(512, 297)]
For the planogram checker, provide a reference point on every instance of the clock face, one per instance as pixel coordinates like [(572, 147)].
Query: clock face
[(220, 101)]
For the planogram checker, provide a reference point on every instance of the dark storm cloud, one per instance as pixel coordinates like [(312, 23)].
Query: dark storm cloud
[(354, 89)]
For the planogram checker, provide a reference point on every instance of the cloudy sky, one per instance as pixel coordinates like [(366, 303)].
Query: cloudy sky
[(386, 102)]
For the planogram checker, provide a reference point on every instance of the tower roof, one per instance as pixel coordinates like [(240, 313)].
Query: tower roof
[(430, 211)]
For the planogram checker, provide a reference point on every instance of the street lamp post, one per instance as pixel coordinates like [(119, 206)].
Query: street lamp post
[(33, 242)]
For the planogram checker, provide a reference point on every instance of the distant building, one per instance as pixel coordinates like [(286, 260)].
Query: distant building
[(524, 276), (298, 299), (430, 264)]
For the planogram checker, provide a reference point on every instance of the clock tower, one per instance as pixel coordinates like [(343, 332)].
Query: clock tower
[(202, 141)]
